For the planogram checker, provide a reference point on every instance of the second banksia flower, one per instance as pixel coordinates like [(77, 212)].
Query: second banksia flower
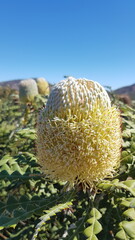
[(27, 90), (43, 86), (79, 133)]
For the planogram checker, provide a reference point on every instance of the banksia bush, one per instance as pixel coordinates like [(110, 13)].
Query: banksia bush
[(78, 141), (79, 133), (43, 86), (27, 90)]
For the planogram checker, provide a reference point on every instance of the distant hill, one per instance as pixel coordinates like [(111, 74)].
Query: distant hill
[(14, 84), (128, 90)]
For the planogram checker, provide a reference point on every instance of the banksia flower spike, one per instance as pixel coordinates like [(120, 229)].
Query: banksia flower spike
[(27, 90), (43, 86), (79, 133)]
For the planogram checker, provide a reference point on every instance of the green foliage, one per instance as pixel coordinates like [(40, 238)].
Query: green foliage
[(95, 227), (33, 207), (49, 213)]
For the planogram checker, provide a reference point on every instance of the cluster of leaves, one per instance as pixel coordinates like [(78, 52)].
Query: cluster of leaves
[(33, 207)]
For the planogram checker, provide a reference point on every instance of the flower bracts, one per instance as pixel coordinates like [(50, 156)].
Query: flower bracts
[(78, 133)]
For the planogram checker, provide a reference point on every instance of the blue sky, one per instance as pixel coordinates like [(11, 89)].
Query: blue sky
[(92, 39)]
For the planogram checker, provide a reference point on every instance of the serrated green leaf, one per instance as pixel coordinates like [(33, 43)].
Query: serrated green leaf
[(49, 213), (126, 157), (91, 220), (128, 202), (130, 213), (129, 228), (10, 203), (95, 213), (132, 203), (24, 201), (126, 133), (15, 167), (92, 238), (126, 144), (130, 183), (133, 146), (4, 220), (88, 232), (95, 228), (75, 238), (6, 168), (33, 205), (5, 159), (121, 235), (18, 213), (105, 185)]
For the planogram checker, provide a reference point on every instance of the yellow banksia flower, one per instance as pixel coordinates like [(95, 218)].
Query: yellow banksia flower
[(27, 90), (43, 86), (79, 133)]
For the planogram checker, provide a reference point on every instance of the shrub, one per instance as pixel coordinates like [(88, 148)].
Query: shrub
[(125, 99), (35, 207)]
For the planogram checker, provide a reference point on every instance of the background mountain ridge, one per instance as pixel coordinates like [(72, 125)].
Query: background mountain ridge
[(128, 90)]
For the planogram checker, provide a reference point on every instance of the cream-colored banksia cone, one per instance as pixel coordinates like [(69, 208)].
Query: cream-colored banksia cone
[(27, 90), (43, 86), (79, 133)]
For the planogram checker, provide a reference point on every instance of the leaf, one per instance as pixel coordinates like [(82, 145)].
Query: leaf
[(130, 213), (5, 159), (49, 213), (95, 228), (127, 157), (16, 167), (24, 208), (10, 203), (129, 228), (126, 133), (128, 202), (75, 238), (4, 220), (105, 185), (121, 235), (132, 203), (92, 238), (78, 225), (17, 175), (95, 213), (126, 144), (133, 146), (27, 133), (2, 207), (128, 185), (5, 167)]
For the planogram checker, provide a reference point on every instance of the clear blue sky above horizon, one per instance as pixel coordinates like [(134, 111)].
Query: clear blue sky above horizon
[(91, 39)]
